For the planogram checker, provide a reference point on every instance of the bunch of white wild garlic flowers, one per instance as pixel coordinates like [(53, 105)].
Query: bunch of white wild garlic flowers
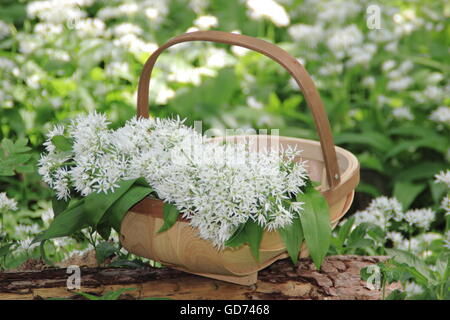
[(215, 186)]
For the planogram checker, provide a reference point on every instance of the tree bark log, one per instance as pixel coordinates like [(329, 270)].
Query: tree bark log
[(339, 278)]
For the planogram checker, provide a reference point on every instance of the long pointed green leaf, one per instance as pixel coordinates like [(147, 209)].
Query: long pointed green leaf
[(254, 234), (96, 204), (292, 236), (117, 211), (315, 220), (66, 223), (251, 232), (171, 214), (59, 206), (411, 260)]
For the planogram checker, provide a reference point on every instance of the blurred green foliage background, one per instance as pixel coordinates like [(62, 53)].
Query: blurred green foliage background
[(383, 79)]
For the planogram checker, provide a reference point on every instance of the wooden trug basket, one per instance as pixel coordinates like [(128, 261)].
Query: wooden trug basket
[(180, 247)]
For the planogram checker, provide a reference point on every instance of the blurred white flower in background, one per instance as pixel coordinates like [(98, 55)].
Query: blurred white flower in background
[(395, 237), (7, 204), (57, 11), (218, 58), (311, 35), (420, 218), (90, 27), (342, 40), (126, 28), (269, 9), (435, 77), (198, 6), (331, 69), (7, 65), (388, 65), (368, 81), (48, 29), (447, 240), (206, 22), (361, 55), (23, 230), (443, 177), (445, 204), (253, 103), (434, 93), (117, 69), (4, 30), (26, 245), (380, 212), (441, 115), (336, 11), (412, 289), (135, 44), (399, 84), (402, 113)]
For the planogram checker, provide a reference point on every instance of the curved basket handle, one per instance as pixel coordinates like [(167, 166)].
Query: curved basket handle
[(270, 50)]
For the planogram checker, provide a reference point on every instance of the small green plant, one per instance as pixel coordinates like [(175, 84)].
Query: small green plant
[(419, 280), (109, 295)]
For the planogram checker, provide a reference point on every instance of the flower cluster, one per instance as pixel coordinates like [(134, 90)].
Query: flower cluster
[(7, 204), (383, 211), (215, 186)]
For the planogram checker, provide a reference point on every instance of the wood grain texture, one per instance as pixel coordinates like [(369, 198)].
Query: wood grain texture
[(338, 279), (180, 247)]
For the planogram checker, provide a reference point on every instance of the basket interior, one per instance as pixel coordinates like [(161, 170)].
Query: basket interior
[(312, 152)]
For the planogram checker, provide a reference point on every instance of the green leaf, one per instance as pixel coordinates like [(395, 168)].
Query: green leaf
[(117, 211), (44, 255), (62, 143), (345, 229), (171, 214), (26, 169), (104, 250), (17, 159), (437, 144), (437, 191), (406, 192), (424, 169), (368, 188), (292, 236), (88, 296), (123, 263), (254, 233), (412, 261), (369, 161), (8, 145), (315, 220), (114, 295), (396, 295), (443, 265), (96, 204), (5, 250), (251, 233), (357, 238), (236, 239), (66, 223), (59, 206), (6, 171), (104, 230), (369, 138)]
